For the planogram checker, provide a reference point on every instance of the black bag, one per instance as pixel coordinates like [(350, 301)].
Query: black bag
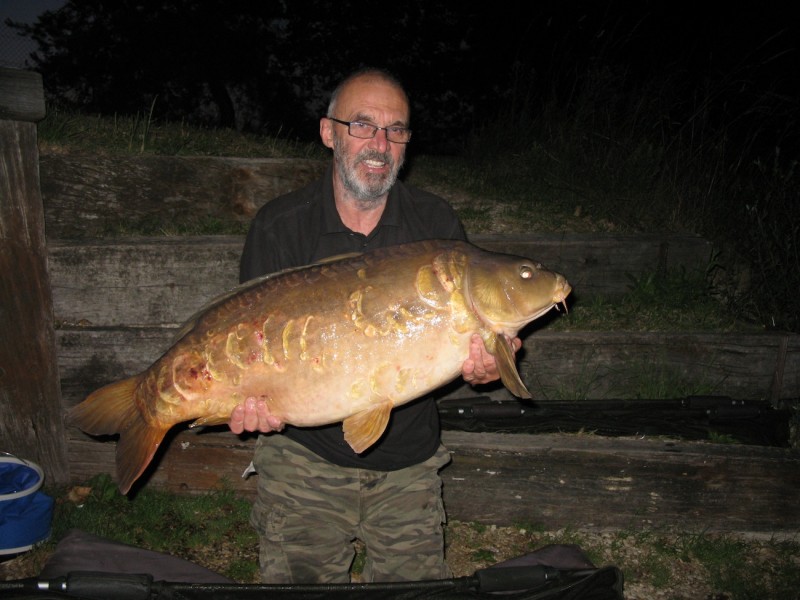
[(86, 567)]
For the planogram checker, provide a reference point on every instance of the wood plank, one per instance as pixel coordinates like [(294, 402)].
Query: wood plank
[(30, 401), (140, 281), (87, 194), (22, 96), (170, 278), (550, 480), (600, 264), (608, 364), (560, 365), (568, 480)]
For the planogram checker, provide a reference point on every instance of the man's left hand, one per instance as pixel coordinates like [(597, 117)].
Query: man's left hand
[(481, 367)]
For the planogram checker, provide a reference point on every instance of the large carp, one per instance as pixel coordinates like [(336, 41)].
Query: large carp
[(343, 340)]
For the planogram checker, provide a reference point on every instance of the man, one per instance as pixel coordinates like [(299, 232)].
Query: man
[(315, 495)]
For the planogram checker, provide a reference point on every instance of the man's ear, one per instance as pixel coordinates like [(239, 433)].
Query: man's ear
[(326, 131)]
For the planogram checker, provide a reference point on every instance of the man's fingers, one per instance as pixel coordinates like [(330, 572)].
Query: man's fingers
[(236, 423)]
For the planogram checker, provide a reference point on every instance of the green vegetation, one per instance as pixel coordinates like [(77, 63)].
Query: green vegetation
[(700, 564), (164, 522), (658, 301), (213, 530), (65, 129)]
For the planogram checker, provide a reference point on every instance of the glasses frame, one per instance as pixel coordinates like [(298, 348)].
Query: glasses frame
[(375, 130)]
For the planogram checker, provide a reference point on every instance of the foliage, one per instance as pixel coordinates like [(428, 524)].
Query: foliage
[(255, 66), (158, 520), (64, 128), (672, 300), (733, 566)]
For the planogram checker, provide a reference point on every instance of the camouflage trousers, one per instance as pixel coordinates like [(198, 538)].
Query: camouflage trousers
[(309, 512)]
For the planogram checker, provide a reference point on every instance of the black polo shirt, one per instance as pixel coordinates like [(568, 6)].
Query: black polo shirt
[(302, 227)]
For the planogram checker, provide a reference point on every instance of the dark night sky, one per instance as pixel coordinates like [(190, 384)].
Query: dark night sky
[(13, 48)]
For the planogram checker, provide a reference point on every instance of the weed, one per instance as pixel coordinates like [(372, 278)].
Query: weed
[(483, 556), (157, 520), (479, 528), (721, 438), (141, 134)]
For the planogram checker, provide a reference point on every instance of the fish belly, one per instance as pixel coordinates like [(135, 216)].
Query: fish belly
[(320, 351)]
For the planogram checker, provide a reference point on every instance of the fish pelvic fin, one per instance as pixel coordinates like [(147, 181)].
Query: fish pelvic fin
[(111, 410), (363, 429), (506, 364)]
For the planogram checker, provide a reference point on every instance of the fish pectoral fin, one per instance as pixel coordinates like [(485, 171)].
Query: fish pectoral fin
[(365, 428), (504, 355), (210, 420)]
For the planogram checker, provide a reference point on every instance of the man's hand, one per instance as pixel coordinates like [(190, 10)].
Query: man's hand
[(253, 415), (481, 367)]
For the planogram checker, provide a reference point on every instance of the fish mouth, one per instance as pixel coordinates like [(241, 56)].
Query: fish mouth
[(560, 297)]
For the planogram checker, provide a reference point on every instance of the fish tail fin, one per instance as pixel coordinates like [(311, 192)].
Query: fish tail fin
[(111, 410), (135, 449), (106, 411)]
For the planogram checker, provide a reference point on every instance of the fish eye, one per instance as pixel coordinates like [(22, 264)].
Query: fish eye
[(526, 272)]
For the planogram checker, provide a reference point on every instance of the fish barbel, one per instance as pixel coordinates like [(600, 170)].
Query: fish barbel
[(342, 340)]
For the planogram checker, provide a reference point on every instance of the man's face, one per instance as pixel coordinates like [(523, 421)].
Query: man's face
[(368, 168)]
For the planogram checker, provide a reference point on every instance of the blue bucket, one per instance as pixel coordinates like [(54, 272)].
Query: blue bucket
[(25, 512)]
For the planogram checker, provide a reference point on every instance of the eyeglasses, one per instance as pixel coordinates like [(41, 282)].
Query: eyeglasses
[(365, 131)]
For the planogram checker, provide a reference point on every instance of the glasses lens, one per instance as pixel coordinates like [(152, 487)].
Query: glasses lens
[(399, 135), (362, 130)]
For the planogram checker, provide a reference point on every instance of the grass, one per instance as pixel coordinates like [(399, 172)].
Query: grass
[(674, 300), (139, 134), (213, 530), (678, 564), (161, 521)]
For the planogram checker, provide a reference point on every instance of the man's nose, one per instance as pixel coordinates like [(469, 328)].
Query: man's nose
[(380, 142)]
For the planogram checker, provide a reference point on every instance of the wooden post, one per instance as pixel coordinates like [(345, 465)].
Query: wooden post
[(31, 418)]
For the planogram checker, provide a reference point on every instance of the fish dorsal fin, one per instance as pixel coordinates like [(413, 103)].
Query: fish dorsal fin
[(214, 302), (504, 355), (365, 428)]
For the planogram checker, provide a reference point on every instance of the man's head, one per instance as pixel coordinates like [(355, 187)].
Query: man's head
[(367, 167)]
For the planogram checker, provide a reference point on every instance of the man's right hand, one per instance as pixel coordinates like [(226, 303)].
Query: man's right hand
[(253, 415)]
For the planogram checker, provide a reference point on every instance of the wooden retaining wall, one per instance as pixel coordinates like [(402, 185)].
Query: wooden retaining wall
[(118, 305), (106, 310)]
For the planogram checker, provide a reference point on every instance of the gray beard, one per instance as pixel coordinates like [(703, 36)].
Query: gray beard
[(371, 191)]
